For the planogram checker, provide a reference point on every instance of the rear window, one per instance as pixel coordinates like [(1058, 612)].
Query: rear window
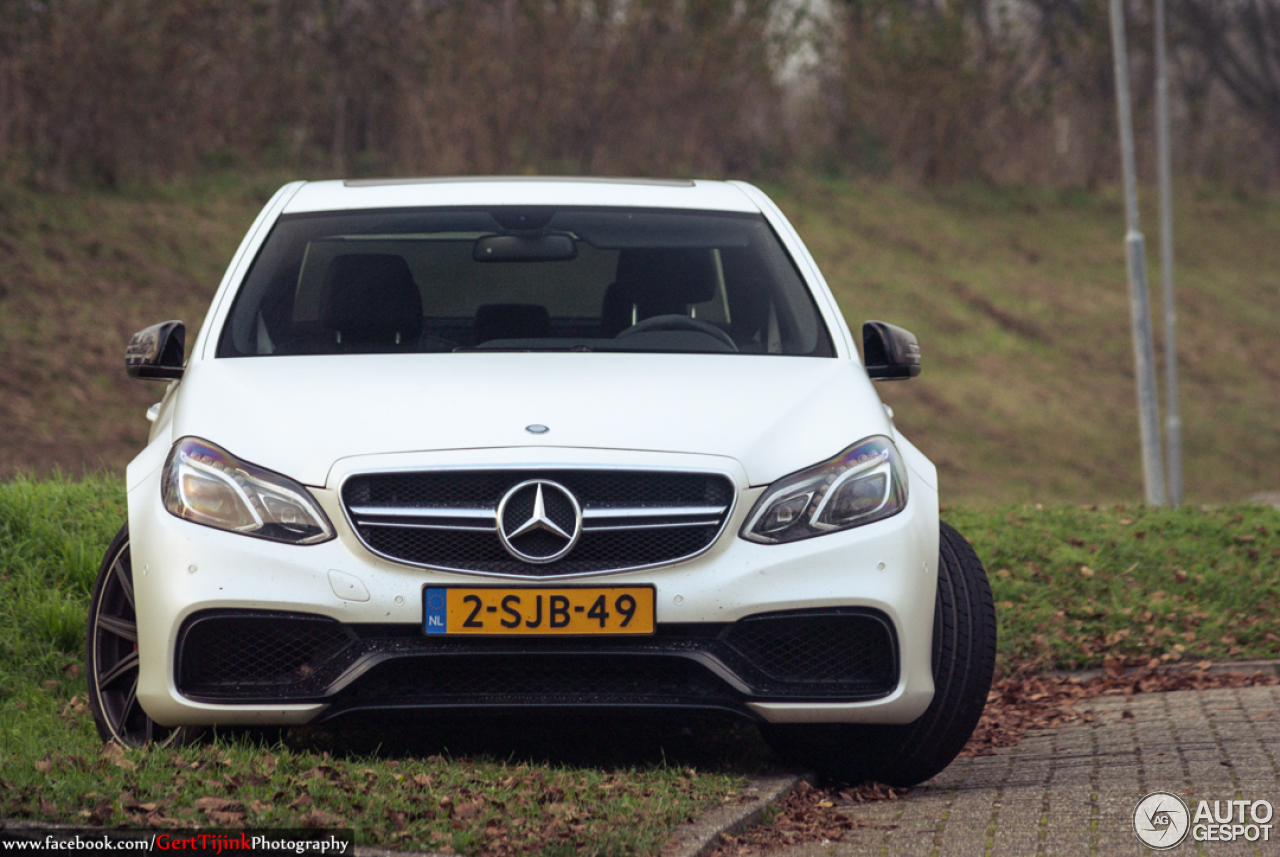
[(522, 279)]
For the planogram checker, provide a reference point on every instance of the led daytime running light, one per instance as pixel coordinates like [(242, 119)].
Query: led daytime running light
[(863, 484), (205, 484)]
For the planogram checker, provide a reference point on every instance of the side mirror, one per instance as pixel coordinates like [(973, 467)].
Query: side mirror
[(156, 353), (891, 353)]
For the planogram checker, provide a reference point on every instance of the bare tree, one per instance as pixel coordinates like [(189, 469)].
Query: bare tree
[(1239, 43)]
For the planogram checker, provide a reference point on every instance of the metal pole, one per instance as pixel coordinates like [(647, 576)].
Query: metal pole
[(1139, 306), (1173, 423)]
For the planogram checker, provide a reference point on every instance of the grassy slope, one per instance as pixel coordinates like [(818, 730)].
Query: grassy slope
[(1021, 305), (1019, 299), (79, 273)]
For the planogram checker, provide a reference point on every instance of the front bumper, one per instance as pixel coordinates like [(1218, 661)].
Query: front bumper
[(829, 594)]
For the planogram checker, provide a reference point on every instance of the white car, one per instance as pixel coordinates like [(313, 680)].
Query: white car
[(484, 444)]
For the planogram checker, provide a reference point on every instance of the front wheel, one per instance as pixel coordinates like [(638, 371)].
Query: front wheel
[(964, 656), (111, 656)]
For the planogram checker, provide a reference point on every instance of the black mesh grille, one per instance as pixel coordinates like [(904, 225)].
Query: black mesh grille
[(559, 678), (260, 657), (818, 647), (595, 551), (484, 488), (258, 649), (479, 549)]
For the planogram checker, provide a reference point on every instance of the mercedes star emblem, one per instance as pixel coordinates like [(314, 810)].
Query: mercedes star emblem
[(539, 521)]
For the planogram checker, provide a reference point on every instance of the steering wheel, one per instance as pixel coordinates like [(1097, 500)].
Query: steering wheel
[(677, 322)]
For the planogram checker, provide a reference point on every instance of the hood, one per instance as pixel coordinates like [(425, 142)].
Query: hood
[(298, 415)]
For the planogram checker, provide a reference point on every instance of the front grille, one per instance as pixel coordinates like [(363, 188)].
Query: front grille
[(222, 654), (559, 678), (447, 519), (836, 646), (242, 656)]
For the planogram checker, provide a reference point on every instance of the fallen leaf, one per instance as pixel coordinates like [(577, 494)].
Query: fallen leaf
[(216, 804), (114, 753), (322, 771), (229, 819), (319, 818), (75, 706)]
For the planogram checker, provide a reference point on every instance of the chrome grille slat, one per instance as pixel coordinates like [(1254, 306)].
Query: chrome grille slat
[(607, 529), (630, 518), (411, 512), (474, 528), (652, 512)]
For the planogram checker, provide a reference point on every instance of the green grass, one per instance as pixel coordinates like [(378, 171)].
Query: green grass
[(1077, 585), (1074, 586), (546, 788), (52, 535)]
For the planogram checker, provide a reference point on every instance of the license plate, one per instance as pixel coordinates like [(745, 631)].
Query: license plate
[(526, 610)]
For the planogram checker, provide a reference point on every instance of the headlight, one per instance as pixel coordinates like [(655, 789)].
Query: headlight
[(864, 483), (205, 484)]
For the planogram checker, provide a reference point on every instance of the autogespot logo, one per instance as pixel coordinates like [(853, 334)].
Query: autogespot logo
[(1161, 820)]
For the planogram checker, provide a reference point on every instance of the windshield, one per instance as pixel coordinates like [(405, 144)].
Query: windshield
[(523, 279)]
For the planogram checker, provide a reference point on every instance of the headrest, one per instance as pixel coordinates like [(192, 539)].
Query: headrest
[(511, 321), (372, 296), (667, 280)]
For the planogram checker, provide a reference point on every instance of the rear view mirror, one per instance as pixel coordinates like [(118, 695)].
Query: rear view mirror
[(891, 353), (525, 248), (156, 353)]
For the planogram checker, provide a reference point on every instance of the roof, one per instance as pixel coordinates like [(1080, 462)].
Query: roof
[(519, 190)]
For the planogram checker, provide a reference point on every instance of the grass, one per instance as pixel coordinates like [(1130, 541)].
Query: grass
[(1020, 301), (1019, 298), (1075, 586), (534, 786)]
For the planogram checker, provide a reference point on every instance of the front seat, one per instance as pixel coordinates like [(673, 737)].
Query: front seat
[(371, 303), (656, 281)]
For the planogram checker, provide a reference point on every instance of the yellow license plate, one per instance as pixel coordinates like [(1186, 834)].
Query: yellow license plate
[(529, 610)]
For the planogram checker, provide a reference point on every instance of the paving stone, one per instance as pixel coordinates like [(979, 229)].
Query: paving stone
[(1072, 791)]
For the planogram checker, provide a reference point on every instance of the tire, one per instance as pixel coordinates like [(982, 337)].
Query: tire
[(964, 655), (111, 657)]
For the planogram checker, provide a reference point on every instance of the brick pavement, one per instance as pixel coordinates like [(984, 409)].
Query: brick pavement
[(1072, 791)]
